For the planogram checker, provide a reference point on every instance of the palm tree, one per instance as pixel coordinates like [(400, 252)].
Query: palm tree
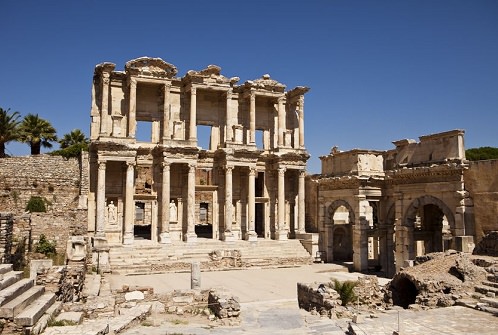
[(9, 124), (76, 136), (37, 132)]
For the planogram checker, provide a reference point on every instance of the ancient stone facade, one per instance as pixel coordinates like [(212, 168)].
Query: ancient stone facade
[(246, 182), (381, 209)]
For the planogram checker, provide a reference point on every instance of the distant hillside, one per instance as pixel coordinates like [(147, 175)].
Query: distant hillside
[(482, 153)]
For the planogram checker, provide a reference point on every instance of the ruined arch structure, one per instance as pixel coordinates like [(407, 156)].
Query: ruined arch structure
[(402, 201)]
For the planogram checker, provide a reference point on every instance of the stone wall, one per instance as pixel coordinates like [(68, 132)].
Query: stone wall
[(481, 180), (6, 224), (56, 179)]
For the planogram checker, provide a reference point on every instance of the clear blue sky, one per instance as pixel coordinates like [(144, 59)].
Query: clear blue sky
[(379, 71)]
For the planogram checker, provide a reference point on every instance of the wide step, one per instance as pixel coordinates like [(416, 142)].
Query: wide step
[(15, 290), (35, 310), (12, 308)]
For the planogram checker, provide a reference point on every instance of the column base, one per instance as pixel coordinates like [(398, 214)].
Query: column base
[(190, 237), (228, 236), (251, 236), (282, 235), (128, 238), (165, 238)]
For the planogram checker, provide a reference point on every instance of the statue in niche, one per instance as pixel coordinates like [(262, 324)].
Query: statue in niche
[(111, 213), (173, 212)]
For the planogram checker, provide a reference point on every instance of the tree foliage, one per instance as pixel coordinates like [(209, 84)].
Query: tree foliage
[(45, 246), (481, 153), (71, 151), (37, 133), (76, 136), (9, 124)]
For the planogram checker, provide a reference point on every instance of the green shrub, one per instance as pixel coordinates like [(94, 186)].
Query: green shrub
[(345, 290), (45, 247), (71, 151), (36, 204)]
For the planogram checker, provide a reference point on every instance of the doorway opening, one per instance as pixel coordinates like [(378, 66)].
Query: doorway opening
[(141, 228), (204, 228), (259, 226)]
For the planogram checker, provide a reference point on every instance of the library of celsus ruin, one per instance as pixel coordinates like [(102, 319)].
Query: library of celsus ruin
[(177, 158)]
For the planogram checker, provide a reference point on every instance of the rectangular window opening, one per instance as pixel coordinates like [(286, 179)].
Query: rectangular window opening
[(204, 137)]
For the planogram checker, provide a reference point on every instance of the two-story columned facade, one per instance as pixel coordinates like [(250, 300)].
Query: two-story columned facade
[(175, 159)]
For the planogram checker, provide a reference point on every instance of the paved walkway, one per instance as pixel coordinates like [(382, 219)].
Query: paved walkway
[(269, 306)]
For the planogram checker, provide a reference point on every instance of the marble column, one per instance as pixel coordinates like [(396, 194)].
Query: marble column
[(301, 204), (251, 234), (228, 234), (104, 116), (129, 220), (193, 116), (164, 237), (281, 122), (229, 127), (166, 104), (191, 236), (301, 122), (282, 225), (101, 205), (252, 119), (132, 115)]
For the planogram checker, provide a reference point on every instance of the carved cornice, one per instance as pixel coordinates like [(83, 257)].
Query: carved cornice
[(210, 75), (265, 83)]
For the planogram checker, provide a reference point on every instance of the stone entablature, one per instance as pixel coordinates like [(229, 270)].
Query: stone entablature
[(247, 182)]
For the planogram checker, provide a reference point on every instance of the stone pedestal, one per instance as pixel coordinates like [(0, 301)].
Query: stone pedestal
[(190, 238), (165, 238), (128, 238), (251, 236), (464, 243), (100, 255), (282, 235), (228, 236)]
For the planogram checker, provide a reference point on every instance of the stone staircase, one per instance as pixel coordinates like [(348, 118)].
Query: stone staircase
[(489, 289), (21, 301), (146, 258)]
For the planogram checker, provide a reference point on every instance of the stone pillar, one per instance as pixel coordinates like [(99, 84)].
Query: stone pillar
[(228, 234), (195, 276), (191, 236), (282, 225), (104, 116), (101, 205), (129, 220), (360, 245), (281, 122), (193, 114), (164, 237), (166, 129), (229, 128), (251, 234), (301, 122), (132, 115), (252, 118), (301, 204)]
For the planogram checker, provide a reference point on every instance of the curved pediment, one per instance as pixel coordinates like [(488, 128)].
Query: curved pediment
[(210, 75), (151, 67)]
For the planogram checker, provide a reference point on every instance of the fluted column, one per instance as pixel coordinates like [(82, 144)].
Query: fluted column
[(229, 127), (166, 103), (251, 234), (129, 203), (252, 119), (164, 237), (301, 122), (191, 236), (101, 206), (132, 115), (281, 122), (193, 116), (282, 225), (301, 204)]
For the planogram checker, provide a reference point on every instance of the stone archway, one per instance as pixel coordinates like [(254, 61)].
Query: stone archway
[(424, 217), (341, 217)]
